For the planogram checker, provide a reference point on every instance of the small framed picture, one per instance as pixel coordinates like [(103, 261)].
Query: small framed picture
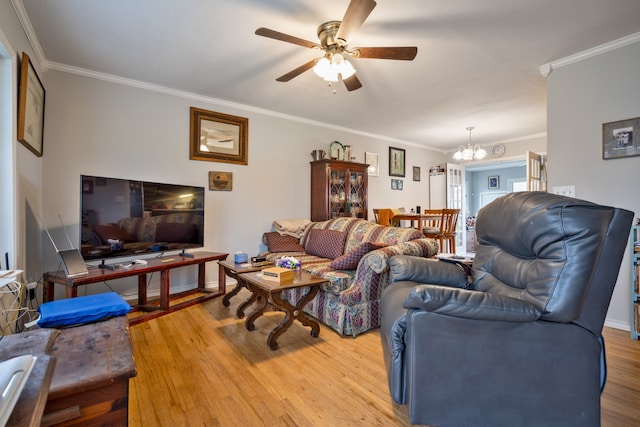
[(416, 173), (494, 182), (396, 161), (399, 184), (372, 160), (394, 184), (220, 181), (621, 139)]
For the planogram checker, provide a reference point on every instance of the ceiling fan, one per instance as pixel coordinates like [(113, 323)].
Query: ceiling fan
[(334, 36)]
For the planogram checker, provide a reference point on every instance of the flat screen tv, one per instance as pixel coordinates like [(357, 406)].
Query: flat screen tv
[(126, 217)]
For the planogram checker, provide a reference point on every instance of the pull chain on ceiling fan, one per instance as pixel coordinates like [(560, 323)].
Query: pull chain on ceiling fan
[(334, 36)]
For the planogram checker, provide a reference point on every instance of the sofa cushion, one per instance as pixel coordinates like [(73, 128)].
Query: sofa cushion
[(277, 242), (326, 243), (113, 232), (176, 232), (350, 260)]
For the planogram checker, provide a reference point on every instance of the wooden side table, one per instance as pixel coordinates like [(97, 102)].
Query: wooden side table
[(268, 292)]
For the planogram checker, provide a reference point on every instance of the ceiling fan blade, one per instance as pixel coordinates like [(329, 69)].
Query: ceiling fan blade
[(272, 34), (357, 12), (352, 83), (406, 53), (297, 71)]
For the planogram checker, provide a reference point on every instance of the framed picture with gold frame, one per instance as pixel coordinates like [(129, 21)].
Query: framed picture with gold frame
[(30, 107), (218, 137)]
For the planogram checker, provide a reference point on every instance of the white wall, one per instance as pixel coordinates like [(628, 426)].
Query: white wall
[(103, 128), (27, 180), (581, 97)]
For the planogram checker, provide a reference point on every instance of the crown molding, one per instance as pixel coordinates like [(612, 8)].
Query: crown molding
[(546, 69), (216, 101), (40, 59)]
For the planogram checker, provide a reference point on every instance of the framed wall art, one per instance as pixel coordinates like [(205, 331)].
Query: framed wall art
[(396, 161), (218, 137), (30, 107), (416, 173), (220, 181), (621, 139), (494, 182), (372, 160)]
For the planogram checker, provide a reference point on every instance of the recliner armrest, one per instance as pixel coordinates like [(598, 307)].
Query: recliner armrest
[(470, 304), (423, 270)]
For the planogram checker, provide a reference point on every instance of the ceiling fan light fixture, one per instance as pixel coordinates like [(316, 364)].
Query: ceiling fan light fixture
[(329, 69), (322, 67), (347, 70)]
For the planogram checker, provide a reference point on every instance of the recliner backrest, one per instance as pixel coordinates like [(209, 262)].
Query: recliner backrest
[(547, 250)]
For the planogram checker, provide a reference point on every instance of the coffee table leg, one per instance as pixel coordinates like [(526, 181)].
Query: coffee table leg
[(292, 313), (262, 299), (246, 304), (233, 293)]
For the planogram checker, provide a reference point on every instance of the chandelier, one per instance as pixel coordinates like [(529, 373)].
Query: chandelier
[(333, 64), (470, 152)]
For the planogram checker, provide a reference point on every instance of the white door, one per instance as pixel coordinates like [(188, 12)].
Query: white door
[(456, 200), (536, 179)]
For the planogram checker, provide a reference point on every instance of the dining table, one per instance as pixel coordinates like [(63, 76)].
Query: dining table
[(416, 219)]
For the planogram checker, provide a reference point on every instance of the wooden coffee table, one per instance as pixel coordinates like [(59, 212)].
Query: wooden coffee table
[(232, 269), (266, 293)]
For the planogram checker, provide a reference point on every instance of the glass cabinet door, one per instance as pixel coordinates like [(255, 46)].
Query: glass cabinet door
[(356, 194), (338, 193)]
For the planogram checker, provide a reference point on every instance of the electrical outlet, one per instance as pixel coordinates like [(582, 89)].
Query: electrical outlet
[(565, 190)]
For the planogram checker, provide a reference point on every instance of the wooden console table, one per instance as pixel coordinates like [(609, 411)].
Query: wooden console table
[(162, 264)]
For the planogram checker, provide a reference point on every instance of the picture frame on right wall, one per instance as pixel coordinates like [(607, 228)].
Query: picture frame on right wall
[(621, 139), (494, 182)]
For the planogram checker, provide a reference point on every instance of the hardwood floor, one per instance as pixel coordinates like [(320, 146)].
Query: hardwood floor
[(201, 367)]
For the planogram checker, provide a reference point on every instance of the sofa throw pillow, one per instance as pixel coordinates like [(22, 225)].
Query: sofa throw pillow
[(176, 232), (350, 260), (113, 232), (325, 243), (277, 242)]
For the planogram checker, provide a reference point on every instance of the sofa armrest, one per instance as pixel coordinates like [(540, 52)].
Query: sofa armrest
[(378, 260), (470, 304)]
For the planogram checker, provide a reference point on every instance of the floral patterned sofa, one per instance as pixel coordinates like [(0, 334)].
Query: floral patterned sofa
[(353, 254)]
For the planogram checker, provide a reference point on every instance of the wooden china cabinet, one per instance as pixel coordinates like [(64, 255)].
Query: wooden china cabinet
[(338, 189)]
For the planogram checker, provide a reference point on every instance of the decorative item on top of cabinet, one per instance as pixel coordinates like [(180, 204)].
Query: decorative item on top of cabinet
[(338, 189)]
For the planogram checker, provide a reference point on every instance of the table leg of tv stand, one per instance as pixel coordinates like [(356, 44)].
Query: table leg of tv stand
[(142, 289), (164, 289), (201, 275)]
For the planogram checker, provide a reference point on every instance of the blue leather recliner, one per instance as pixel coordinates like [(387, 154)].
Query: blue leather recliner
[(518, 342)]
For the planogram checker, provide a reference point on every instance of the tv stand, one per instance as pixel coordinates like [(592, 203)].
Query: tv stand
[(162, 264), (106, 266)]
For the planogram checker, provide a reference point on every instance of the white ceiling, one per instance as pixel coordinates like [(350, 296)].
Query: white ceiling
[(477, 64)]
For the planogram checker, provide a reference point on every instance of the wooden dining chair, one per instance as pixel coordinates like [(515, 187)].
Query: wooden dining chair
[(446, 231), (383, 216), (431, 221)]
